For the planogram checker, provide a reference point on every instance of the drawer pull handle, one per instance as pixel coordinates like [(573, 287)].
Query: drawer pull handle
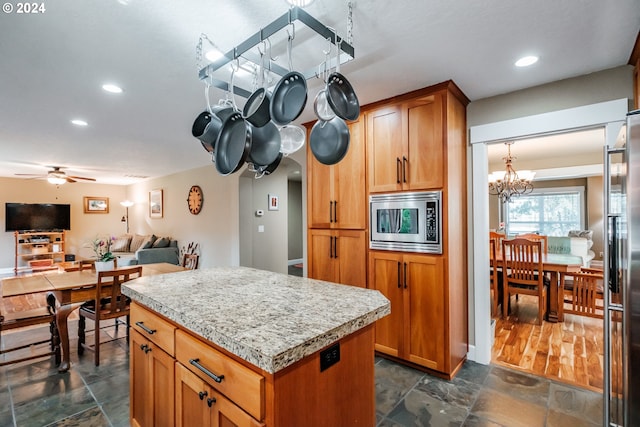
[(202, 394), (143, 347), (216, 378), (211, 401), (146, 329)]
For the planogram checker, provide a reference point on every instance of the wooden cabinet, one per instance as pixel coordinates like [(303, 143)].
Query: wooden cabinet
[(405, 145), (151, 369), (338, 256), (415, 285), (337, 196), (151, 384), (38, 250), (192, 382), (199, 404)]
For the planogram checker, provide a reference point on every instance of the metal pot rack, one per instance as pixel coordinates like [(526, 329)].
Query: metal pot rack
[(294, 14)]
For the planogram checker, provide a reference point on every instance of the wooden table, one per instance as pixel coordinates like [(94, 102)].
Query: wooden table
[(71, 289), (554, 264)]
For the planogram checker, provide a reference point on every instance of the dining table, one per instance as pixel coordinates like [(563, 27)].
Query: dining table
[(71, 289), (555, 265)]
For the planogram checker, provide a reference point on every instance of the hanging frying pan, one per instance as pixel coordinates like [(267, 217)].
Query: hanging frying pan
[(329, 141), (233, 144), (256, 110), (265, 144), (340, 94), (268, 169), (289, 96)]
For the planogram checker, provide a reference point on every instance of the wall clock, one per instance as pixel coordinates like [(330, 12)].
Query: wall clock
[(195, 199)]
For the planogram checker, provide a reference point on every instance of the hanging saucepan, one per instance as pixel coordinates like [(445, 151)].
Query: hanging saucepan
[(234, 142), (268, 169), (289, 96), (256, 110), (265, 144), (207, 125), (292, 137), (340, 94), (329, 141)]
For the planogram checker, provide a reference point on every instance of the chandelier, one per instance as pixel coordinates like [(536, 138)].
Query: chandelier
[(510, 183)]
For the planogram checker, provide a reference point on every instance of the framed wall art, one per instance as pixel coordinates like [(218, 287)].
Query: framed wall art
[(273, 203), (155, 204), (96, 205)]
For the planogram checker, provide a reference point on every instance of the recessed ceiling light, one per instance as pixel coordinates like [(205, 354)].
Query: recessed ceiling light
[(299, 3), (79, 122), (112, 88), (526, 61)]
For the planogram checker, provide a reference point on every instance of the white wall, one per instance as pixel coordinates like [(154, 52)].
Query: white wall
[(215, 229)]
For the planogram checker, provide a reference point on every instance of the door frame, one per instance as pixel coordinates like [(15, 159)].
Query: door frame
[(610, 115)]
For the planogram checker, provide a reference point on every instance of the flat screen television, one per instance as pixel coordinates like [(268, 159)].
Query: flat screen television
[(37, 217)]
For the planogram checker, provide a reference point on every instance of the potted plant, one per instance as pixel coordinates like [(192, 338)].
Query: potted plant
[(104, 257)]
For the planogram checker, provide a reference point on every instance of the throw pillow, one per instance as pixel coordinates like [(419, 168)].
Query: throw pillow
[(162, 242), (587, 234), (136, 242), (121, 244), (148, 242)]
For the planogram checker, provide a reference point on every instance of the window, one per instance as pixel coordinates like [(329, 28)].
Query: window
[(548, 211)]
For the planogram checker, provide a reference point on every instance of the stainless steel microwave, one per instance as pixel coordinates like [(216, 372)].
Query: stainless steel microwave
[(409, 222)]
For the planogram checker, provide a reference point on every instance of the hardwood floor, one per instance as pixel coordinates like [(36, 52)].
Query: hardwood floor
[(571, 351)]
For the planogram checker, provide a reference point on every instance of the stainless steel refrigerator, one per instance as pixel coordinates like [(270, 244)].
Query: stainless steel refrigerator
[(622, 275)]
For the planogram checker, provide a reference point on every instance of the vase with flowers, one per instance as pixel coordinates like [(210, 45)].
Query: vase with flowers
[(105, 260)]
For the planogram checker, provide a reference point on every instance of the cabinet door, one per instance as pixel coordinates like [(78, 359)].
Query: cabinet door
[(140, 404), (161, 387), (152, 383), (351, 257), (385, 273), (350, 196), (191, 409), (424, 161), (225, 413), (385, 149), (322, 264), (320, 193), (425, 320)]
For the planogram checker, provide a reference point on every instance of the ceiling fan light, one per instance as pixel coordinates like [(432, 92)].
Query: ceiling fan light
[(57, 180), (79, 122)]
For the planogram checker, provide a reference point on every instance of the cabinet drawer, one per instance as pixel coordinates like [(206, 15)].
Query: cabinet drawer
[(154, 328), (240, 384)]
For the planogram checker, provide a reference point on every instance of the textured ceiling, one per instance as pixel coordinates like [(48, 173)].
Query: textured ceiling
[(54, 63)]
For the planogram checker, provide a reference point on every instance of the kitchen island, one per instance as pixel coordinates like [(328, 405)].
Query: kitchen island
[(239, 346)]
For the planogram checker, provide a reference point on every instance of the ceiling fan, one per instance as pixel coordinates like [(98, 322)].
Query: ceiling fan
[(57, 176)]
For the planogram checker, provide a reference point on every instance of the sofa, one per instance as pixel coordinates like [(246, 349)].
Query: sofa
[(577, 243), (144, 249)]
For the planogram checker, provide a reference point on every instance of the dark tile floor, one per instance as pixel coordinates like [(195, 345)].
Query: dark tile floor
[(35, 394)]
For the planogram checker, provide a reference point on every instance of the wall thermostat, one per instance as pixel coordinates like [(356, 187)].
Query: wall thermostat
[(259, 212)]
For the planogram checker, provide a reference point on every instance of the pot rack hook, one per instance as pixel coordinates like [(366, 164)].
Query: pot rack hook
[(271, 58)]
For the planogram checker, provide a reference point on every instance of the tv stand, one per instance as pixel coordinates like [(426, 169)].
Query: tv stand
[(38, 250)]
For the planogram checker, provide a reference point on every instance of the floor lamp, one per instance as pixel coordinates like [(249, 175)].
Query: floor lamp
[(125, 218)]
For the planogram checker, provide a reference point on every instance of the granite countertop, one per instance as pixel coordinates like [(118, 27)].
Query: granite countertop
[(271, 320)]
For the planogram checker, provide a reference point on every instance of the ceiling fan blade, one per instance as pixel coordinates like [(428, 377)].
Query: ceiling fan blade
[(30, 174), (70, 179), (81, 177)]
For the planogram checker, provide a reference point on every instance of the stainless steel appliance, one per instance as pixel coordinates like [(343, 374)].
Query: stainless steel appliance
[(408, 221), (622, 274)]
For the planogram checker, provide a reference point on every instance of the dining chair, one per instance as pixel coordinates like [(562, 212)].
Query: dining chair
[(190, 261), (86, 264), (25, 318), (495, 274), (535, 237), (583, 294), (522, 273), (113, 306)]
